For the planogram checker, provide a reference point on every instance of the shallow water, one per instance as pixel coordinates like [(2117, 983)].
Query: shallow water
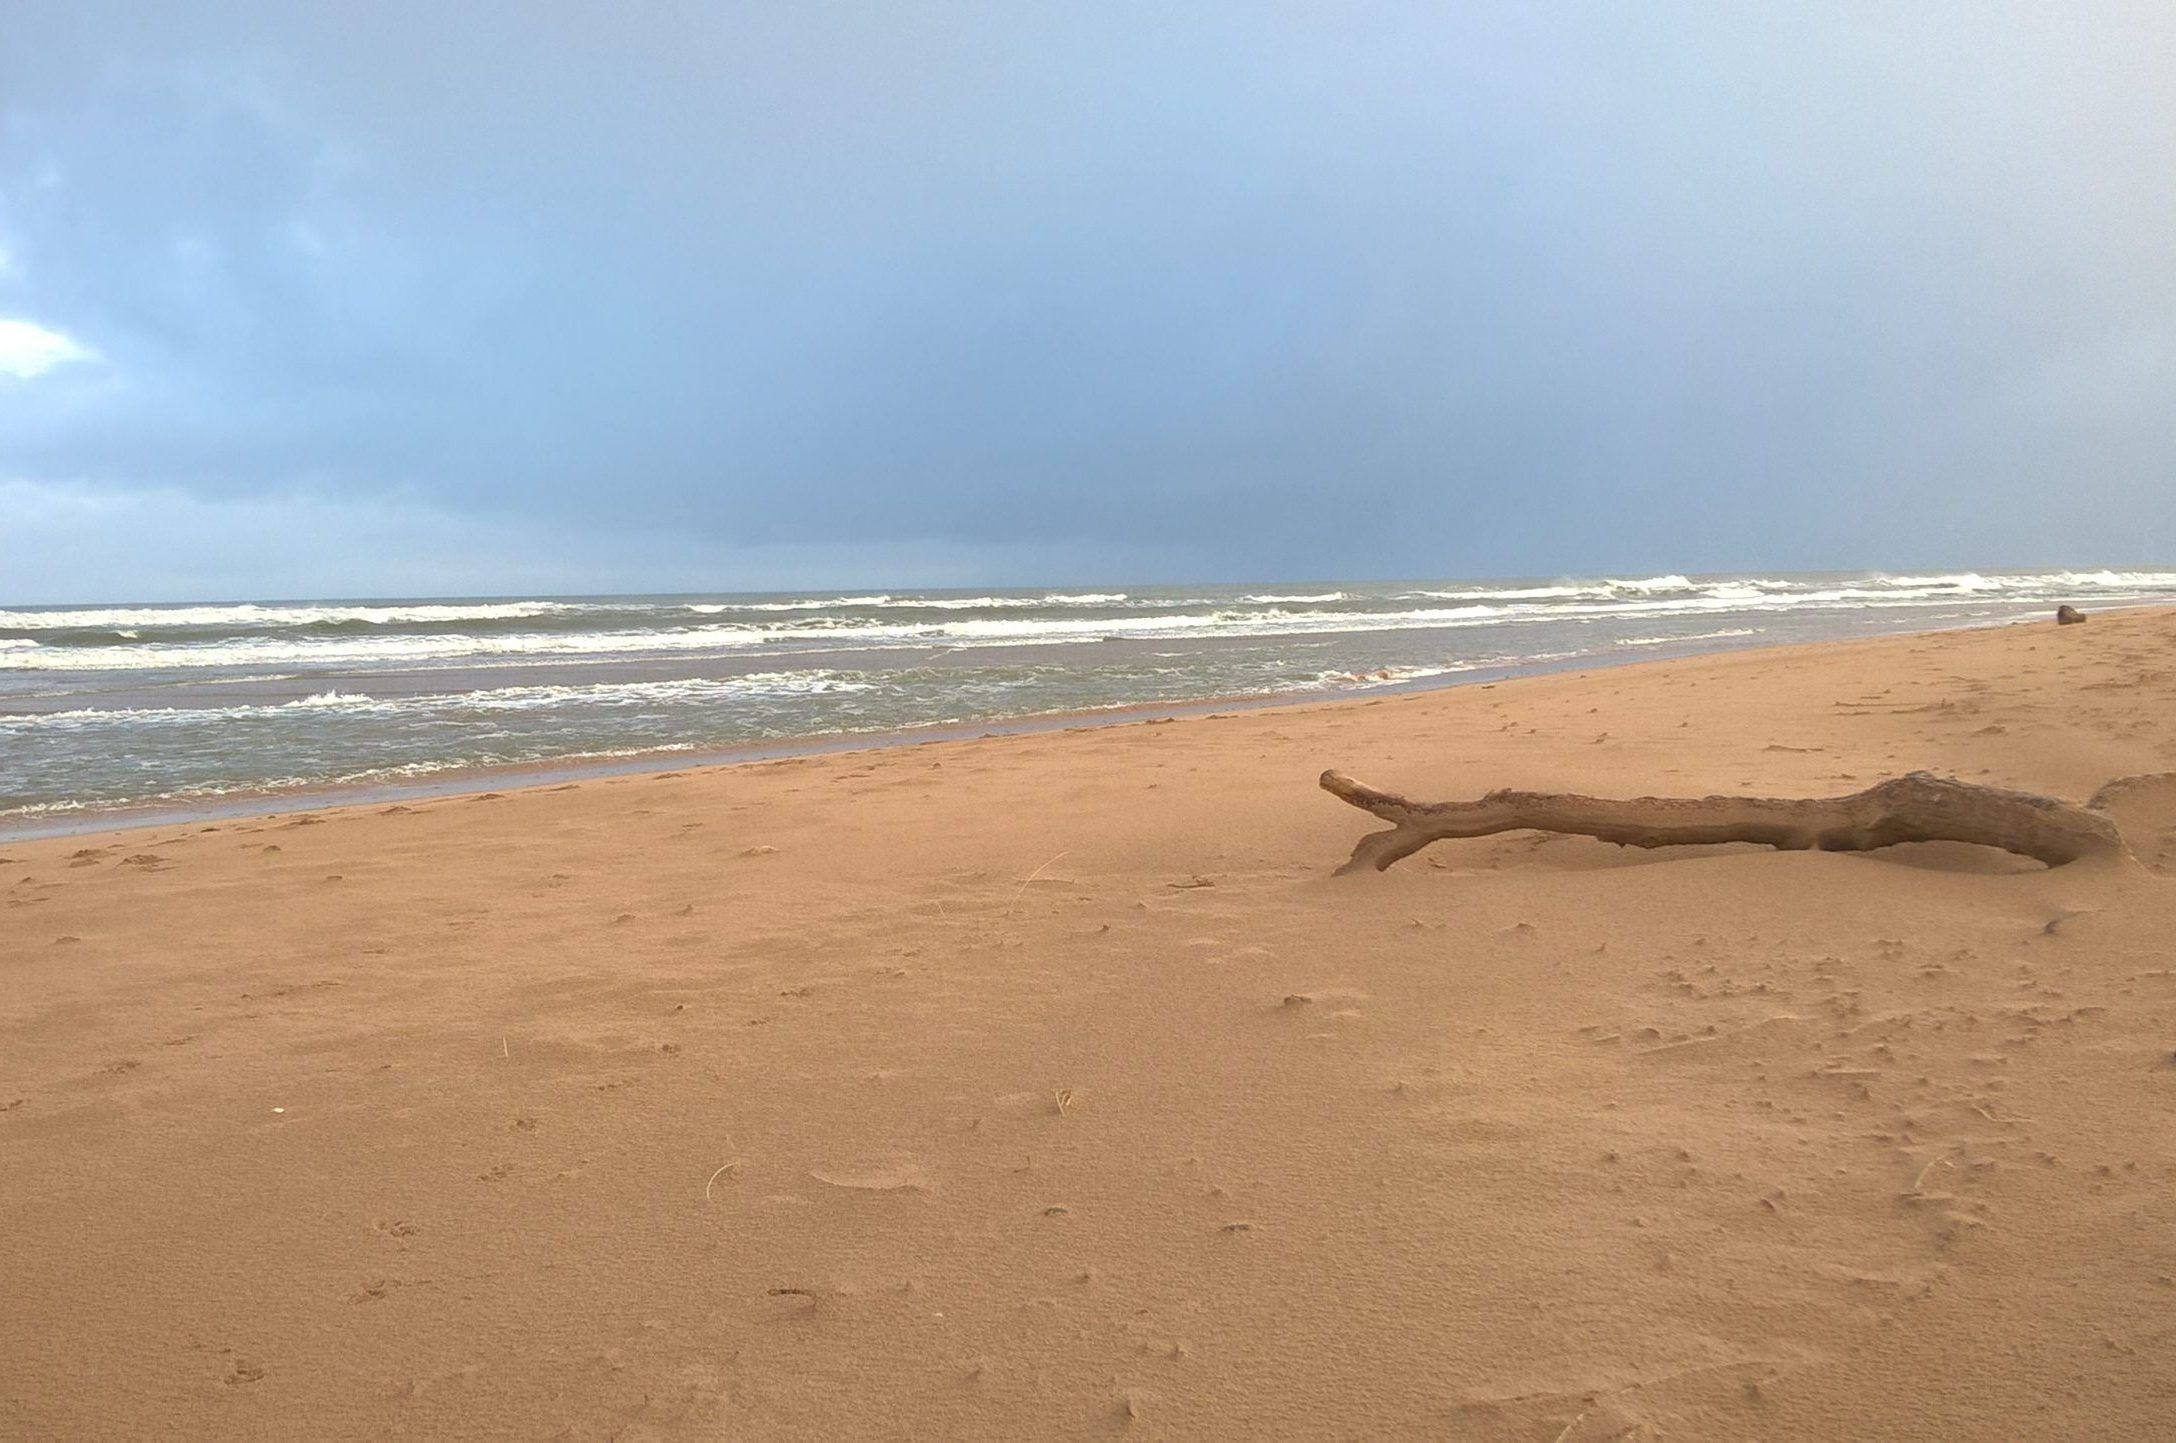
[(104, 706)]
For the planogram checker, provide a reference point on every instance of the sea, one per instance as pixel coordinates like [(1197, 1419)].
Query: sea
[(109, 712)]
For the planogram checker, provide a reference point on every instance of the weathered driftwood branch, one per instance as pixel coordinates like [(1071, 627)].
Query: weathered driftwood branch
[(1920, 807)]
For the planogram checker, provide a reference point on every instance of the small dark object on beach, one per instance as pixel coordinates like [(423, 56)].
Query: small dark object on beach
[(2068, 616)]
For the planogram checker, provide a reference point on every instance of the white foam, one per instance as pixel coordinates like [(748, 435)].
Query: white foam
[(919, 603), (255, 614), (1517, 593), (820, 603), (415, 648), (1693, 636), (1387, 675), (691, 690), (1057, 617), (1651, 584), (396, 648)]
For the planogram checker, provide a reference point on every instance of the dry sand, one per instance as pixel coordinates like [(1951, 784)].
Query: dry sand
[(1048, 1086)]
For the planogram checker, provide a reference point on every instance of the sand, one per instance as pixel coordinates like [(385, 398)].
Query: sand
[(1049, 1086)]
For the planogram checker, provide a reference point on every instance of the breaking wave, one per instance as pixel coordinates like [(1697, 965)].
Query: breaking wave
[(269, 614), (693, 690)]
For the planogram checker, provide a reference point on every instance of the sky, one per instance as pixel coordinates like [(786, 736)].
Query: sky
[(396, 298)]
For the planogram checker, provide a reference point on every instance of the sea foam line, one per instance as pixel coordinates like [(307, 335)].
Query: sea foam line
[(271, 614), (763, 685)]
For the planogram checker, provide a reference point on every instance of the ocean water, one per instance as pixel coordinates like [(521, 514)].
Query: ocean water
[(109, 706)]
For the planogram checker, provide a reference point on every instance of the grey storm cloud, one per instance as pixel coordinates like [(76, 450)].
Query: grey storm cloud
[(721, 295)]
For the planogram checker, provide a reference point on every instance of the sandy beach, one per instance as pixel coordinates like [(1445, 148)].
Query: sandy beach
[(1050, 1086)]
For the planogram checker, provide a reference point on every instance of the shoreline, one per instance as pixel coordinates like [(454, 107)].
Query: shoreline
[(98, 819)]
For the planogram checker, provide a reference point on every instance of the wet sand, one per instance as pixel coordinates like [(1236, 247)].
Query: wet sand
[(1048, 1085)]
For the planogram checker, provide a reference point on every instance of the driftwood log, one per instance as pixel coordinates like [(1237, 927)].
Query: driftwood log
[(1920, 807)]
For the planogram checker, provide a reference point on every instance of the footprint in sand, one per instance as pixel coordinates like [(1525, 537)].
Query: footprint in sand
[(2144, 807), (1326, 998), (875, 1178)]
